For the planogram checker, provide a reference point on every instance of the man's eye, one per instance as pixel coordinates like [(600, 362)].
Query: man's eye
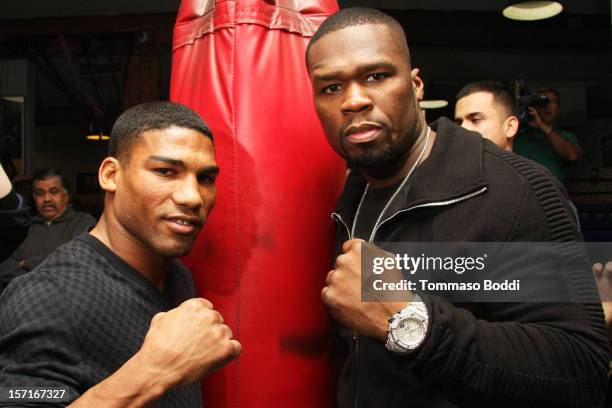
[(330, 89), (206, 179), (164, 171), (377, 77)]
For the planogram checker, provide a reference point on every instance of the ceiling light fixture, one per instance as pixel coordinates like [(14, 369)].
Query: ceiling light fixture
[(97, 134), (532, 10), (98, 137), (433, 104)]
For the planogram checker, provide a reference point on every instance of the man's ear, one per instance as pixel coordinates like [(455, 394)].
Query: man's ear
[(417, 83), (511, 126), (108, 174)]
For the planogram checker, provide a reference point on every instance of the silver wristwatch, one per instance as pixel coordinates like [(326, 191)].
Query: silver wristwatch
[(408, 327)]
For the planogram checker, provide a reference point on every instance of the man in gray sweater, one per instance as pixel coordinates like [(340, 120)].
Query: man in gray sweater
[(55, 223)]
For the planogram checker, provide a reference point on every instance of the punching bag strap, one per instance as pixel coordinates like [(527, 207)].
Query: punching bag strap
[(286, 4), (198, 18)]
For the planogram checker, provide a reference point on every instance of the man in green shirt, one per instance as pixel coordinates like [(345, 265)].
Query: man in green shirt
[(543, 142)]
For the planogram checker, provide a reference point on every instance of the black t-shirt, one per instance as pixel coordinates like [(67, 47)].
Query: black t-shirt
[(79, 316), (375, 200)]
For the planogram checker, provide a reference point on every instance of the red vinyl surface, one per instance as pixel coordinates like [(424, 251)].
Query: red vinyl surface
[(265, 250)]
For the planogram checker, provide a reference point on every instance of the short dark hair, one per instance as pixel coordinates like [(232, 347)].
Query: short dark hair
[(355, 16), (151, 116), (502, 94), (46, 174)]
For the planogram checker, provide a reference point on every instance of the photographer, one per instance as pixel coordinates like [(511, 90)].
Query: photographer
[(542, 141)]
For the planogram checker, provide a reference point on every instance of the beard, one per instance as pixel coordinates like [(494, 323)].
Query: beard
[(387, 155)]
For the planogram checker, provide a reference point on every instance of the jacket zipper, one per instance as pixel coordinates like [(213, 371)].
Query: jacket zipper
[(433, 204), (336, 217)]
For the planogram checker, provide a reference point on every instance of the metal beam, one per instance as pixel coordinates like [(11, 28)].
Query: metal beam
[(159, 26)]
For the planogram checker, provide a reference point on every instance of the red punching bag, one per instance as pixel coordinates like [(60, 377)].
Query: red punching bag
[(267, 246)]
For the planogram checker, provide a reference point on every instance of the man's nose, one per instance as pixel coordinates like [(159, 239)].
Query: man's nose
[(356, 99), (188, 193), (468, 125)]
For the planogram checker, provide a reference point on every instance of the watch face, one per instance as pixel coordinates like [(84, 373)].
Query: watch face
[(410, 331)]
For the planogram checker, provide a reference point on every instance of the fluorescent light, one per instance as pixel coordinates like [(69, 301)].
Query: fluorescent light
[(97, 137), (533, 10), (18, 99), (433, 104)]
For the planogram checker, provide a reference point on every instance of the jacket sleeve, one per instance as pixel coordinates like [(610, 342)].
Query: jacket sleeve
[(14, 222), (11, 201), (9, 269), (32, 262), (537, 354)]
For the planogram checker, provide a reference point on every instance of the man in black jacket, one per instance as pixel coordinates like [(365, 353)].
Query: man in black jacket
[(13, 229), (415, 183)]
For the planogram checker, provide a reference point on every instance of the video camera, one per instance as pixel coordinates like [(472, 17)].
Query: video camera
[(527, 99)]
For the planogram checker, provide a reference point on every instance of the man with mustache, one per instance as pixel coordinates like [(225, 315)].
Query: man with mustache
[(110, 319), (417, 183), (56, 223)]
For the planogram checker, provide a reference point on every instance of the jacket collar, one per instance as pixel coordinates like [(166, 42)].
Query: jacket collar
[(68, 214), (453, 169)]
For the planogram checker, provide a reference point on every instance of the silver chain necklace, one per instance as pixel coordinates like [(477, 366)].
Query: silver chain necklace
[(377, 223)]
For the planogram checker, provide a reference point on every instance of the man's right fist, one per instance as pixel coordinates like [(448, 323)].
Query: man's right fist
[(603, 280), (188, 343)]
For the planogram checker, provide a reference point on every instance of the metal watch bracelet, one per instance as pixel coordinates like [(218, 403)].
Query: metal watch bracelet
[(416, 309)]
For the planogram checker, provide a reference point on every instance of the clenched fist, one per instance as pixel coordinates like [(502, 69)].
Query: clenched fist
[(603, 279), (188, 343), (342, 296)]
